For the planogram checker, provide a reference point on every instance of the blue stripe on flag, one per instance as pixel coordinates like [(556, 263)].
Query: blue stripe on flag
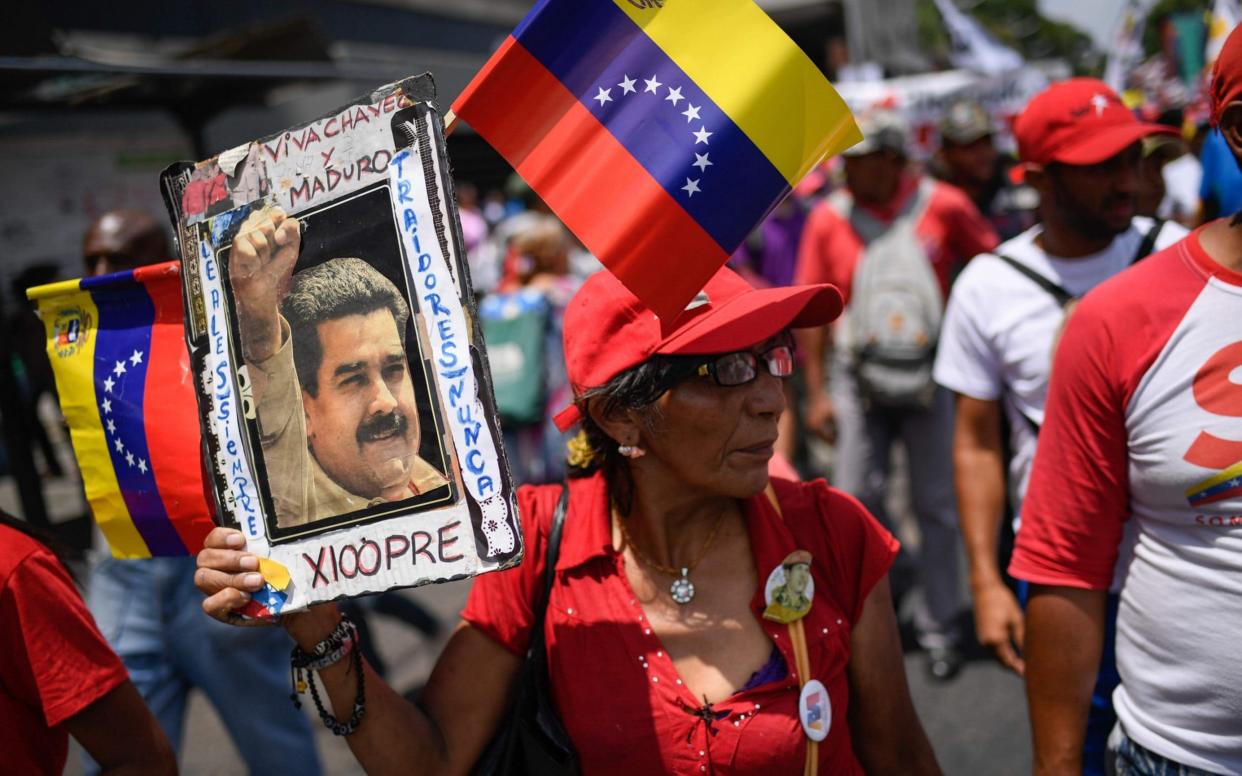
[(722, 179), (121, 352), (1216, 491)]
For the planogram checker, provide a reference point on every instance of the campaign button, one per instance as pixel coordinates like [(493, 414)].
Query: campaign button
[(815, 710)]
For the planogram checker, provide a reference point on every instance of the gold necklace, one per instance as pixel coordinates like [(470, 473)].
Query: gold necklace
[(682, 589)]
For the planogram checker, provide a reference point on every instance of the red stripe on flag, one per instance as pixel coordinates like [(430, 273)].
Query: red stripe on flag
[(171, 414), (605, 196)]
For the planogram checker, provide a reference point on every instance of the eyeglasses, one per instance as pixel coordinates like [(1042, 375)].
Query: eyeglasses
[(734, 369)]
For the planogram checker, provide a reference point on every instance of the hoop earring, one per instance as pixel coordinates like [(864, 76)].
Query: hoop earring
[(631, 451)]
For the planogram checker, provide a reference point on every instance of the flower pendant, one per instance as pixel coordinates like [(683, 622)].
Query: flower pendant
[(682, 589)]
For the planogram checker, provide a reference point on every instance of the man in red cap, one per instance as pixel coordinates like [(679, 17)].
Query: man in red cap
[(1079, 148), (890, 240), (1139, 471)]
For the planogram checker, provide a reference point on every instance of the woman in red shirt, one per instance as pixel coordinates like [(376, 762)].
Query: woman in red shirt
[(660, 657)]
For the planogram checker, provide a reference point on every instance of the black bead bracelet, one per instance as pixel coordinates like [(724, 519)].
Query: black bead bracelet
[(340, 643)]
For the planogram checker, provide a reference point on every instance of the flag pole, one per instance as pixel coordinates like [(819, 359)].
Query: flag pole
[(450, 122)]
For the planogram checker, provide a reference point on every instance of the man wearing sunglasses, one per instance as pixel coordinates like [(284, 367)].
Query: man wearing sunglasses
[(123, 239)]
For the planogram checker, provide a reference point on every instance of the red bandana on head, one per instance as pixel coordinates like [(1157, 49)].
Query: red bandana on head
[(1227, 75)]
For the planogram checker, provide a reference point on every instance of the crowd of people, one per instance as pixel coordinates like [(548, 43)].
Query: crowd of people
[(1049, 336)]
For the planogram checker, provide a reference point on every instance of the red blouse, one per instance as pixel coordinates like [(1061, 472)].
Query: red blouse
[(617, 692), (53, 660)]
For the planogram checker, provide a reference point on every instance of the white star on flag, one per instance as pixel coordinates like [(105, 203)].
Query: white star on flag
[(107, 406), (129, 458), (691, 187), (108, 383), (142, 465), (674, 96), (702, 135), (702, 162), (1100, 102), (627, 85), (691, 113), (120, 446), (652, 85), (136, 359), (111, 426), (605, 95), (119, 369)]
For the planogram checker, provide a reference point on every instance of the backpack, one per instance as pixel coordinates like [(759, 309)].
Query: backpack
[(893, 321), (515, 327)]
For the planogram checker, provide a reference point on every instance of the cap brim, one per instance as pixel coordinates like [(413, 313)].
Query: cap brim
[(754, 317), (1107, 143), (743, 321)]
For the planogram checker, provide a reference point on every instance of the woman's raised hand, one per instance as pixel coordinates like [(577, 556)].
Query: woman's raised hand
[(227, 575)]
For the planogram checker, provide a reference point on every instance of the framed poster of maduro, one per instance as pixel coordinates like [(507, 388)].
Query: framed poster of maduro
[(343, 390)]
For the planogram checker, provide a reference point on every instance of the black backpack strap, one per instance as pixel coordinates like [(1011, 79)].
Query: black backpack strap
[(531, 738), (1062, 296), (549, 571), (1149, 241)]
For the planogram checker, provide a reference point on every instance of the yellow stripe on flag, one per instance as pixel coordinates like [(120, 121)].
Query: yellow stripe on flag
[(1216, 479), (72, 352), (758, 76)]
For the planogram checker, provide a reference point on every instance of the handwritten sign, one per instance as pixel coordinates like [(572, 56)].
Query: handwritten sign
[(230, 460), (331, 156), (303, 505), (450, 344)]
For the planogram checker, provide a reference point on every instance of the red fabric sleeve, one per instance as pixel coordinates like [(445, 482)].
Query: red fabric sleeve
[(828, 250), (1077, 501), (53, 656), (838, 527), (501, 604), (1079, 494)]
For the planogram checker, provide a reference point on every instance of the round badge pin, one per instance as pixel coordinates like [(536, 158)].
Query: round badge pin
[(815, 710), (790, 589)]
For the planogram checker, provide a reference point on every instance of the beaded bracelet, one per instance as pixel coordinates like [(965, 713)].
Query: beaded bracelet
[(341, 642)]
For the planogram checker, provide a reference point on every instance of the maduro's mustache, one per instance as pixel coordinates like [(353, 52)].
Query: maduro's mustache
[(382, 425)]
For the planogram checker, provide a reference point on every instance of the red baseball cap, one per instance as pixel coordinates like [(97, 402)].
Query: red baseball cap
[(1227, 74), (608, 330), (1080, 121)]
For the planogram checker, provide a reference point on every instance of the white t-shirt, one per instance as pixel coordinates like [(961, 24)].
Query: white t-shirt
[(1144, 435), (996, 338), (1182, 178)]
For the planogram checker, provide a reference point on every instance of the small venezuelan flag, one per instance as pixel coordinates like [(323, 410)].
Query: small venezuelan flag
[(123, 373), (661, 132), (1219, 487)]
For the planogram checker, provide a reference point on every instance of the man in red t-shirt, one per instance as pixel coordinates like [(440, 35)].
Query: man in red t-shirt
[(885, 217), (1137, 483)]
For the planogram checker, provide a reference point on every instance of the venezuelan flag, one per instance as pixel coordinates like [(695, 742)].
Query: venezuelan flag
[(123, 373), (660, 132), (1220, 487)]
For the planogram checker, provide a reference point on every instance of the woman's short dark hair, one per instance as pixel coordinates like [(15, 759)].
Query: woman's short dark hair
[(634, 389)]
